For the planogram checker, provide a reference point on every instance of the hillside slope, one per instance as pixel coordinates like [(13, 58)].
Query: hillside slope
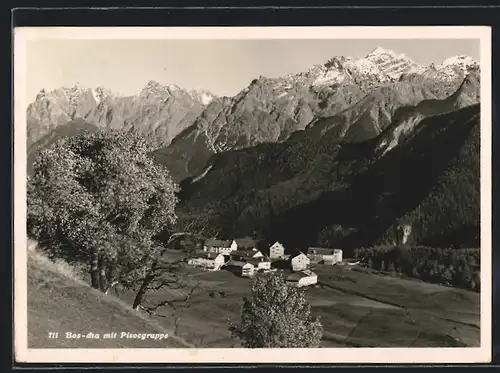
[(59, 303), (314, 187)]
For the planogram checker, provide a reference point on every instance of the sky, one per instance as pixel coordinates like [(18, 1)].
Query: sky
[(222, 66)]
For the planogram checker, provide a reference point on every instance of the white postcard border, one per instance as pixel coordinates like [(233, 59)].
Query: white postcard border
[(216, 355)]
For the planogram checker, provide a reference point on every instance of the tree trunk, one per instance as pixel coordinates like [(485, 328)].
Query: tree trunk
[(94, 268), (102, 275), (110, 277), (139, 297)]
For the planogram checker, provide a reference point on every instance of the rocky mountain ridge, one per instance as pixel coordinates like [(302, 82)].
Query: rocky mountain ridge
[(337, 155), (322, 188), (267, 110), (159, 111), (360, 94)]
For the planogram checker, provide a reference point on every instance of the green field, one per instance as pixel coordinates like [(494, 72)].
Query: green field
[(356, 309), (60, 303)]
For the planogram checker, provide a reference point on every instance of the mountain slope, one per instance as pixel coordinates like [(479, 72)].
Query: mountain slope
[(270, 187), (361, 95)]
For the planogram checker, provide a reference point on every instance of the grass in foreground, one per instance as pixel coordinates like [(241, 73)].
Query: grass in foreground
[(357, 309), (59, 302)]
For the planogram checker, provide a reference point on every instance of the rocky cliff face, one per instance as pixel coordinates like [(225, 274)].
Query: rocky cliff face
[(357, 97), (160, 112)]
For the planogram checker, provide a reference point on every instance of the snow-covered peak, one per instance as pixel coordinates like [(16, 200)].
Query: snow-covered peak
[(154, 89), (463, 62), (152, 84), (173, 88), (100, 94), (202, 95), (329, 77), (379, 51)]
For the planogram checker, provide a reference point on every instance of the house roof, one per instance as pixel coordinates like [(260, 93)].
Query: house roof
[(206, 255), (277, 243), (245, 253), (297, 253), (296, 276), (258, 260), (218, 243), (320, 251), (236, 263), (308, 272)]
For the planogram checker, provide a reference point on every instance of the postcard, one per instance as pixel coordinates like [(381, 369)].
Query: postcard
[(252, 194)]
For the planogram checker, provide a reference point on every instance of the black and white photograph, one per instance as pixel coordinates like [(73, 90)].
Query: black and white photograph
[(298, 194)]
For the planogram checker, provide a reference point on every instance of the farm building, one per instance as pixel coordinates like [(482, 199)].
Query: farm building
[(327, 256), (246, 243), (207, 260), (243, 255), (244, 269), (223, 247), (302, 278), (260, 262), (338, 255), (276, 251), (299, 261), (318, 254)]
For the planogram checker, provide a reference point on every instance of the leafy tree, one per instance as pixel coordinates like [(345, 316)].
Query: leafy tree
[(277, 315), (99, 198)]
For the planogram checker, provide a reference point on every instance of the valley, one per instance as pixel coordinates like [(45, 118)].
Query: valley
[(353, 310), (339, 156)]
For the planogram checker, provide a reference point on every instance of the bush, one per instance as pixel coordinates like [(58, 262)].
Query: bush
[(277, 315)]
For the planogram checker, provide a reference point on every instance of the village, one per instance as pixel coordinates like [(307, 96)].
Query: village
[(241, 257)]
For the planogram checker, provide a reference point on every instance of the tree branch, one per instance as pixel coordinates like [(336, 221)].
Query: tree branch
[(171, 303)]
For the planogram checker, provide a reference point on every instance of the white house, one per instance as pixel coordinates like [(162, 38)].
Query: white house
[(319, 254), (223, 247), (260, 263), (243, 255), (299, 261), (338, 255), (207, 260), (328, 256), (276, 251), (302, 278), (242, 268)]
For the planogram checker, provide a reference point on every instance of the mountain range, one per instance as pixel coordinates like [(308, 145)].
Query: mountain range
[(271, 109), (159, 111), (336, 155)]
